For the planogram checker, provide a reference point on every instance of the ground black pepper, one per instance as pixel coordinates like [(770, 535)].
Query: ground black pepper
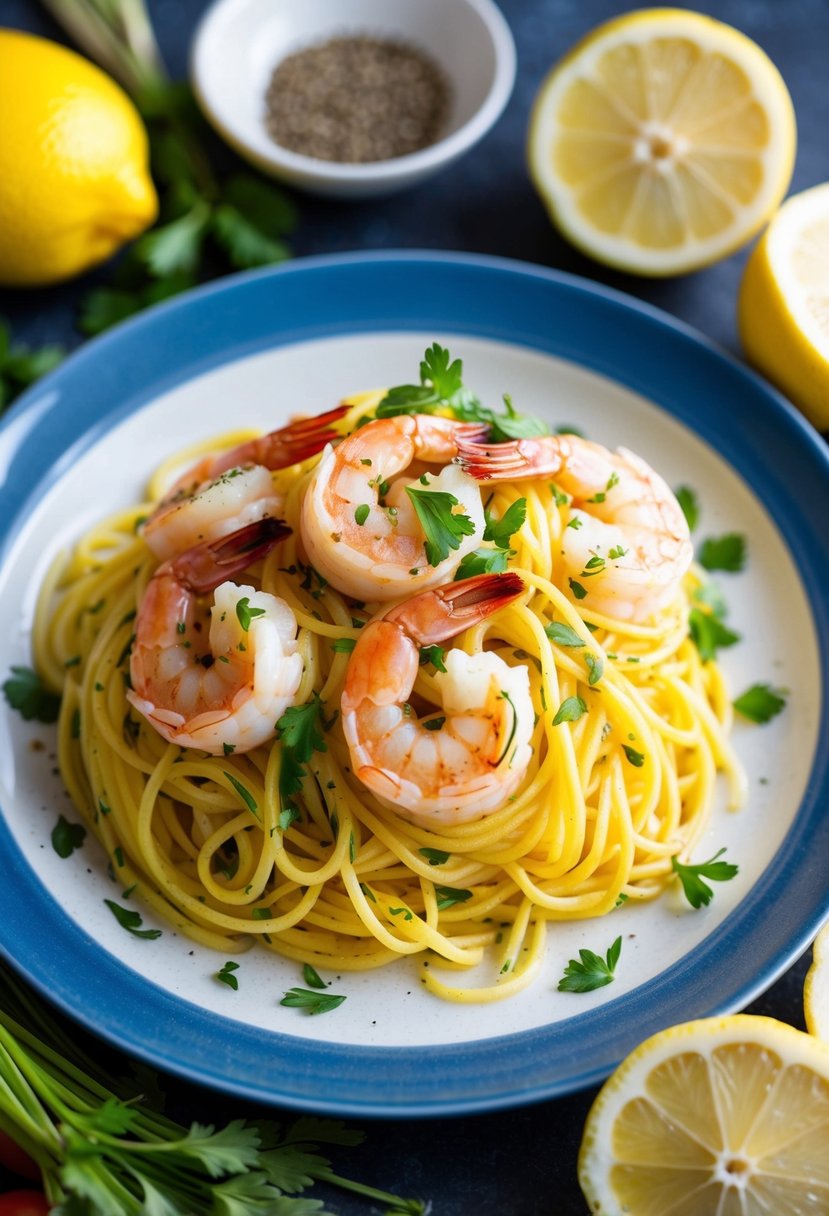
[(356, 99)]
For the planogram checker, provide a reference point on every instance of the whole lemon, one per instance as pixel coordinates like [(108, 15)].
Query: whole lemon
[(74, 180)]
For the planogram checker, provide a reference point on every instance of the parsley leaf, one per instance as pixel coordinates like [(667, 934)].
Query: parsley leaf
[(570, 710), (66, 837), (726, 552), (25, 692), (689, 504), (447, 896), (500, 531), (562, 634), (709, 634), (443, 529), (312, 978), (441, 387), (761, 702), (435, 857), (311, 1002), (592, 971), (131, 921), (434, 655), (482, 561), (245, 614), (692, 877), (244, 793), (635, 758), (299, 733), (225, 975)]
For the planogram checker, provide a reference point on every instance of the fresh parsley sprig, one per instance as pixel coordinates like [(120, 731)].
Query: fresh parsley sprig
[(692, 877), (441, 388), (590, 971)]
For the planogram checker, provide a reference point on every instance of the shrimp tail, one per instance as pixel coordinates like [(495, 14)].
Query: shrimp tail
[(202, 568), (435, 616), (300, 440), (517, 458)]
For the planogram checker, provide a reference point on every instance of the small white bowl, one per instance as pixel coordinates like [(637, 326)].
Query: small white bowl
[(238, 43)]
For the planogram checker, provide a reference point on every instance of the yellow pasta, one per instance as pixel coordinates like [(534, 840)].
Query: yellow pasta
[(608, 799)]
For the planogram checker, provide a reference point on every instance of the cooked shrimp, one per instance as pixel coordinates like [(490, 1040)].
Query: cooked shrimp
[(627, 542), (228, 694), (360, 527), (458, 764), (225, 491)]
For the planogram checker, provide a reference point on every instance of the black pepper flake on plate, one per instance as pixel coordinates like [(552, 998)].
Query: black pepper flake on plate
[(356, 100)]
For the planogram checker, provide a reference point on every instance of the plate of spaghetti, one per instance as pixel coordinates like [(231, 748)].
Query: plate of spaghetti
[(437, 644)]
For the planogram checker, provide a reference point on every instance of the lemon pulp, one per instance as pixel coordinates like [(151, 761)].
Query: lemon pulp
[(663, 141), (720, 1117)]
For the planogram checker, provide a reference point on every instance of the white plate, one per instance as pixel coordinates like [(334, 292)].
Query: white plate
[(252, 352)]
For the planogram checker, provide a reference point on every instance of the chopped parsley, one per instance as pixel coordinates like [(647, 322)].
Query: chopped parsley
[(66, 837), (225, 975), (435, 857), (761, 702), (25, 692), (447, 896), (482, 561), (299, 733), (244, 793), (726, 552), (570, 710), (689, 504), (635, 758), (442, 527), (590, 971), (500, 531), (562, 634), (434, 655), (692, 877), (311, 1002), (131, 921), (245, 613)]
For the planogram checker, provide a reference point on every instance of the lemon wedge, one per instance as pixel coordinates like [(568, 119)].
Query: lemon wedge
[(662, 141), (783, 309), (720, 1117), (816, 988)]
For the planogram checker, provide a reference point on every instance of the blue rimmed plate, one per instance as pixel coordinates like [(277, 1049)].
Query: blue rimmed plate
[(254, 350)]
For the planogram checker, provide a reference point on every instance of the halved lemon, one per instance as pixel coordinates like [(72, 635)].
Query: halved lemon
[(720, 1117), (783, 310), (662, 141), (816, 989)]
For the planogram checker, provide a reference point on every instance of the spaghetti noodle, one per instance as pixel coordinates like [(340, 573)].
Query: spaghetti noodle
[(337, 879)]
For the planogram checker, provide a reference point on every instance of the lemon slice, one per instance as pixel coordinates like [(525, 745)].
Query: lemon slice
[(783, 310), (662, 142), (816, 988), (721, 1117)]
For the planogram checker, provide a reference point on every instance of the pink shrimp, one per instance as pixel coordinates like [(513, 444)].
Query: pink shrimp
[(225, 491), (224, 691), (628, 544), (360, 528), (465, 761)]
